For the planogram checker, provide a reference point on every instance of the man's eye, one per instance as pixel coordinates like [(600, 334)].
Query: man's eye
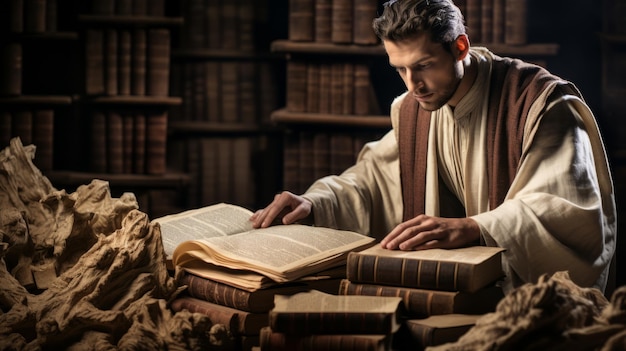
[(400, 70)]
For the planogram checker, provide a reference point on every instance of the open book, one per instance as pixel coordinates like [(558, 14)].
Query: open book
[(218, 242)]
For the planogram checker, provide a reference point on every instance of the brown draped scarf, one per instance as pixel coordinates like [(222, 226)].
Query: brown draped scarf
[(514, 87)]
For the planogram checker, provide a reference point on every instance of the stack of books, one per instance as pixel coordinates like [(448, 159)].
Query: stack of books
[(232, 272), (318, 321), (444, 291)]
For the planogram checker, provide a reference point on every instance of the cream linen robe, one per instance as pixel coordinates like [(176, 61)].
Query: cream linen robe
[(559, 213)]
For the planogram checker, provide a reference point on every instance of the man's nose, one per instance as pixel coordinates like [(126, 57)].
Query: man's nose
[(413, 80)]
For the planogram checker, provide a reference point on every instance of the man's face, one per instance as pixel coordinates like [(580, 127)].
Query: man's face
[(429, 72)]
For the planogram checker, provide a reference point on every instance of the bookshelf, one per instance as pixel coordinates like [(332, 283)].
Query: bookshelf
[(227, 78), (313, 42)]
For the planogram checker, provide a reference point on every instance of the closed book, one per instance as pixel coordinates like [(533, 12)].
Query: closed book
[(248, 105), (11, 69), (291, 161), (306, 160), (115, 142), (43, 138), (94, 62), (432, 331), (498, 20), (6, 132), (364, 12), (421, 303), (138, 62), (243, 177), (156, 8), (323, 13), (140, 7), (486, 21), (341, 152), (213, 90), (156, 142), (271, 340), (301, 25), (515, 19), (336, 88), (124, 7), (230, 24), (321, 154), (194, 31), (12, 16), (246, 25), (465, 269), (316, 312), (313, 87), (362, 88), (348, 88), (238, 322), (325, 88), (158, 62), (230, 90), (128, 144), (209, 171), (258, 301), (342, 18), (213, 23)]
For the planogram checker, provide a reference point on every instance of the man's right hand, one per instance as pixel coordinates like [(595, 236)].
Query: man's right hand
[(286, 206)]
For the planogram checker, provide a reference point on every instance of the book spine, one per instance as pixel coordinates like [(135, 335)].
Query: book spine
[(245, 18), (321, 155), (11, 69), (301, 26), (364, 12), (138, 62), (291, 163), (498, 20), (110, 58), (156, 8), (13, 15), (139, 143), (348, 88), (307, 169), (115, 142), (472, 19), (341, 152), (43, 138), (330, 322), (413, 273), (156, 142), (361, 89), (342, 21), (214, 92), (158, 62), (296, 86), (6, 132), (209, 171), (230, 25), (313, 87), (271, 340), (124, 63), (128, 126), (336, 88), (230, 92), (213, 24), (248, 105), (323, 14), (515, 22), (486, 20), (198, 95), (98, 148), (94, 62)]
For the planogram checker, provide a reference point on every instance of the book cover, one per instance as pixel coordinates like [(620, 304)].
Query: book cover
[(420, 303), (271, 340), (257, 301), (465, 269), (315, 312)]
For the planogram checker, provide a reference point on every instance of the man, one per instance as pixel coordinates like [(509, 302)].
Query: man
[(484, 150)]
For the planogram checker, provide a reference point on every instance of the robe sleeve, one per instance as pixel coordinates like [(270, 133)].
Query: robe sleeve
[(559, 213)]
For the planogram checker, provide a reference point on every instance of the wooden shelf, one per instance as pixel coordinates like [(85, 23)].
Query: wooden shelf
[(218, 54), (73, 178), (36, 100), (373, 121), (286, 46), (119, 20), (135, 100), (202, 127)]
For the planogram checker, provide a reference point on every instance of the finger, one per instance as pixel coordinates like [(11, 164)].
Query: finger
[(423, 239)]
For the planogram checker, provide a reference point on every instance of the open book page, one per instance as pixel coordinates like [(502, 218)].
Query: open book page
[(283, 252), (207, 222)]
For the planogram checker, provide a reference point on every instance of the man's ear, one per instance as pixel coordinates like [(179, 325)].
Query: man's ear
[(461, 45)]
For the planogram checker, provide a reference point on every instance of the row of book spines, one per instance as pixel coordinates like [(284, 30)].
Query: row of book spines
[(32, 127), (332, 21), (229, 92), (128, 7), (220, 168), (336, 88), (222, 24), (29, 16), (310, 155), (424, 274), (421, 303), (129, 143), (281, 341), (496, 21), (127, 62)]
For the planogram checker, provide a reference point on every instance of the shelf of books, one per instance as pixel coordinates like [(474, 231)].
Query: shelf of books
[(229, 82)]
